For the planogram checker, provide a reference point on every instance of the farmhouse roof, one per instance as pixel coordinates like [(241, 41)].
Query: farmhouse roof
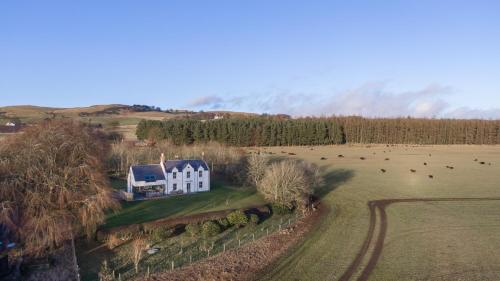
[(151, 172), (181, 164)]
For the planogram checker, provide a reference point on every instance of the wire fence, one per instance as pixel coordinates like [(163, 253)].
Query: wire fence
[(202, 249)]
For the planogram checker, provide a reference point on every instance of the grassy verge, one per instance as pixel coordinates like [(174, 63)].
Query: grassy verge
[(220, 197)]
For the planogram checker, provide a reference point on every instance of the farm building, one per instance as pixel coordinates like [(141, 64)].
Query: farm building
[(168, 177)]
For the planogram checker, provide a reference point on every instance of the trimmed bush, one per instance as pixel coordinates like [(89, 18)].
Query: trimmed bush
[(193, 229), (161, 233), (254, 219), (280, 209), (210, 229), (237, 218), (224, 223)]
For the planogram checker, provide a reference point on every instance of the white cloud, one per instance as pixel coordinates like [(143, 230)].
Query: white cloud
[(369, 100), (206, 101)]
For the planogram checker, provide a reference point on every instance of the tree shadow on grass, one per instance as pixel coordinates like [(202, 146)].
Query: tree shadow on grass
[(332, 180)]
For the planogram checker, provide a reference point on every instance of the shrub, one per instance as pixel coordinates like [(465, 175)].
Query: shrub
[(237, 218), (113, 241), (280, 209), (193, 229), (161, 233), (254, 219), (210, 229), (224, 223)]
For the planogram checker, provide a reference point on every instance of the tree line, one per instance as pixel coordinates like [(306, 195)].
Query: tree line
[(244, 131), (262, 131)]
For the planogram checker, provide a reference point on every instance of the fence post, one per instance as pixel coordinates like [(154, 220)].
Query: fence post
[(172, 264), (208, 253), (119, 276), (267, 231), (253, 236), (190, 259), (239, 243), (147, 274), (288, 221), (224, 247), (280, 227)]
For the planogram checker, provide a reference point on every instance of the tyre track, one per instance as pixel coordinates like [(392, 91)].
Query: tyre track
[(381, 206)]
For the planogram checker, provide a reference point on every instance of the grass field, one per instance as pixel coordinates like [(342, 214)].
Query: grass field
[(220, 197), (428, 240)]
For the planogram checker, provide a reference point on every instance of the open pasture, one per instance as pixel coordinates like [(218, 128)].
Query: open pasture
[(402, 213)]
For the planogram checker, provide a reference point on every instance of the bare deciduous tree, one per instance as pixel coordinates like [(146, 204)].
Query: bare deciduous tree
[(53, 184), (256, 168), (290, 182), (287, 182), (136, 252)]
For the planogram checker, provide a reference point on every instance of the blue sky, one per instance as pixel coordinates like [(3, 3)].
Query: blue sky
[(374, 58)]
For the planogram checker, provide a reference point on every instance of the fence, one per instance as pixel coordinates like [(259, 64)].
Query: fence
[(206, 248)]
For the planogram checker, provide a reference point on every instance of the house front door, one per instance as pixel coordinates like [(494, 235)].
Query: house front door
[(188, 187)]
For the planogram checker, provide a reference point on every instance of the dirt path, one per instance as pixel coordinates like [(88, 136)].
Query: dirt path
[(381, 206)]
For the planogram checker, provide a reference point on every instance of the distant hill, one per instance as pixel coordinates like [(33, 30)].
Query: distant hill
[(117, 117)]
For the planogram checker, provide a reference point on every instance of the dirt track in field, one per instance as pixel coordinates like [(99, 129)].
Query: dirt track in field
[(381, 205)]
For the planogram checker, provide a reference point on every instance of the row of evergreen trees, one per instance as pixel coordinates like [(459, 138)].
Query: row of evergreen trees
[(261, 131), (244, 132)]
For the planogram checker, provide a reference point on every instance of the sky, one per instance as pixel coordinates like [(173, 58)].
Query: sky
[(371, 58)]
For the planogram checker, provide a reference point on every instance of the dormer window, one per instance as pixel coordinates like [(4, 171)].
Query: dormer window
[(200, 173), (188, 174)]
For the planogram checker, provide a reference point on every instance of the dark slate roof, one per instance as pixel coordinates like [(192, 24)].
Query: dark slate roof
[(148, 173), (180, 164)]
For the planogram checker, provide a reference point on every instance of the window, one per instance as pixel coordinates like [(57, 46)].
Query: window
[(149, 178), (200, 173), (188, 174), (200, 184), (174, 186), (174, 175)]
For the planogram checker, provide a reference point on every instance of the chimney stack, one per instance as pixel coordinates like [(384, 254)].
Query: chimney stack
[(162, 158)]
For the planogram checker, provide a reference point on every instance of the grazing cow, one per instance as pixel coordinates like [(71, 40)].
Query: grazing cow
[(323, 158), (475, 160), (291, 153), (386, 159), (383, 170), (482, 163), (430, 155), (431, 176), (340, 156), (413, 171), (425, 163), (362, 158)]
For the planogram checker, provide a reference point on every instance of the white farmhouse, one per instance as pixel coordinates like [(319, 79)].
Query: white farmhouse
[(168, 177)]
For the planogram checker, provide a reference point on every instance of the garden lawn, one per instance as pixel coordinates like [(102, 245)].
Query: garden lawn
[(220, 197)]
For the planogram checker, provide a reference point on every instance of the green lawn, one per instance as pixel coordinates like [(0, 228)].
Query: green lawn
[(220, 197)]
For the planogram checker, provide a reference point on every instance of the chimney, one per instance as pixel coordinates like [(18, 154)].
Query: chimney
[(162, 158)]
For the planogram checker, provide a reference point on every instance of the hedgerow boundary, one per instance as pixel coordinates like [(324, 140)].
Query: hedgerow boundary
[(103, 233)]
